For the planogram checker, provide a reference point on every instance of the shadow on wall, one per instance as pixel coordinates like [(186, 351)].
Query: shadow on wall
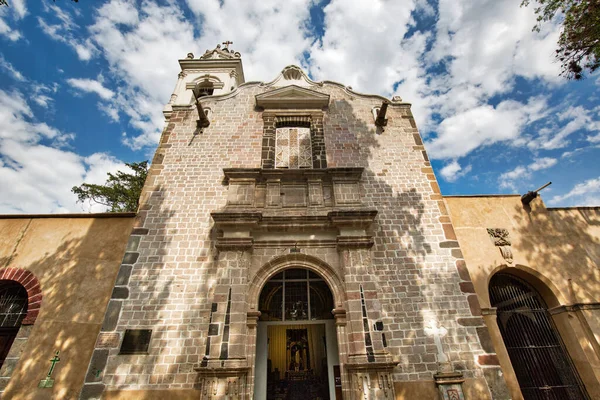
[(169, 282), (417, 280), (563, 245), (76, 261), (150, 298)]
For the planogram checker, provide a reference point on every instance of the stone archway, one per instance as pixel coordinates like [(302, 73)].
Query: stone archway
[(33, 292), (274, 268), (528, 334)]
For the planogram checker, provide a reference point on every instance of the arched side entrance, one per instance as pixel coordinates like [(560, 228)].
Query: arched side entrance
[(542, 365), (20, 302), (297, 352), (13, 308)]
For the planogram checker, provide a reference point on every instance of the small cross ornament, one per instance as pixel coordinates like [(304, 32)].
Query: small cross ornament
[(438, 332), (48, 382), (226, 44)]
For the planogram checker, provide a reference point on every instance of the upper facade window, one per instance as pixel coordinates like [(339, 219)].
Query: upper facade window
[(293, 148), (293, 127), (293, 141)]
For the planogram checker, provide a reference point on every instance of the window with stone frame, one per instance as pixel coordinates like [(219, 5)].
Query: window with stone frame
[(293, 147), (293, 141)]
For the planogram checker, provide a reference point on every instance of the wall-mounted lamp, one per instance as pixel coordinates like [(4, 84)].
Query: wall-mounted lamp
[(530, 196), (381, 120)]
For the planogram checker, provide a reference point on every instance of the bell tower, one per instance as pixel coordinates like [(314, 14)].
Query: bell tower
[(216, 72)]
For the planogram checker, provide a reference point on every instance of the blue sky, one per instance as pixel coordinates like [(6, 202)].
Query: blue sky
[(82, 86)]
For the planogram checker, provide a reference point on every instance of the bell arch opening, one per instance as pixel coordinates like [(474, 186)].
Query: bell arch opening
[(541, 362), (296, 349)]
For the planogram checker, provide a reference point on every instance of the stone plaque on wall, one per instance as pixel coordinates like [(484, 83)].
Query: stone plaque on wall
[(241, 194), (107, 340), (293, 196)]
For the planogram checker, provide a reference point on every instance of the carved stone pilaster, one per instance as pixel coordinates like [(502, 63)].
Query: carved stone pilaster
[(223, 383), (372, 380), (450, 385)]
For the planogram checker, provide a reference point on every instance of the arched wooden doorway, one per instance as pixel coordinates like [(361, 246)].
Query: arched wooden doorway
[(296, 338), (13, 308), (541, 363)]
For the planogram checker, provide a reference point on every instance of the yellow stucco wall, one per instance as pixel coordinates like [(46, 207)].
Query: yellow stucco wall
[(76, 260), (556, 250)]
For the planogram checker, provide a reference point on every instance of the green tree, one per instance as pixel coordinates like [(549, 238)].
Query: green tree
[(579, 42), (120, 193)]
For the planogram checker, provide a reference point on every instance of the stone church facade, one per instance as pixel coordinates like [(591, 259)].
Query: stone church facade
[(228, 206), (292, 238)]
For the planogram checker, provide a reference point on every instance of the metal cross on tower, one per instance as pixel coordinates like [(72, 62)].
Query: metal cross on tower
[(226, 44)]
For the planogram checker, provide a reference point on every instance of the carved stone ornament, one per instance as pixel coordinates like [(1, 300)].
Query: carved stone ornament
[(506, 253), (292, 73), (500, 238), (220, 53)]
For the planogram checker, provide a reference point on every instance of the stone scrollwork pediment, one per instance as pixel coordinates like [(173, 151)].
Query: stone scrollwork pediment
[(292, 97)]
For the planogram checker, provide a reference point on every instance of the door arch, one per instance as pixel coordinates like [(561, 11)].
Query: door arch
[(297, 345), (13, 309), (542, 365)]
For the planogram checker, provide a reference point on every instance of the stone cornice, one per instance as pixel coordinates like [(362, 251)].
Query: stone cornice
[(234, 63), (574, 308), (355, 242), (292, 97), (352, 218), (489, 311), (236, 219), (371, 366), (222, 371), (264, 174), (234, 243)]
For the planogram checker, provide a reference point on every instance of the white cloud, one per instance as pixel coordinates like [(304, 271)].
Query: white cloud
[(453, 170), (13, 14), (66, 31), (542, 163), (8, 67), (91, 86), (585, 193), (36, 173), (270, 34), (20, 8), (507, 179), (362, 45), (143, 57), (569, 121), (481, 126), (521, 174)]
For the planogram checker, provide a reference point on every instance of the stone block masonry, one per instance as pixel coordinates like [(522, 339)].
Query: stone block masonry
[(202, 242)]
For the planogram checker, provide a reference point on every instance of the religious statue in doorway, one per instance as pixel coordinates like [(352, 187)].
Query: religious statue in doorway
[(298, 311), (298, 358)]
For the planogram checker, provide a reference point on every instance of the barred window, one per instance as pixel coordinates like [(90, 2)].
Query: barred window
[(13, 308), (293, 147)]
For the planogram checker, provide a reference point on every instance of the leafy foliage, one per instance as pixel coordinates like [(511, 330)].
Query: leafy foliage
[(579, 42), (120, 193)]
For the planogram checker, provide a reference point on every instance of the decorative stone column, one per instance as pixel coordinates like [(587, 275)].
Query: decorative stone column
[(369, 366), (223, 372)]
